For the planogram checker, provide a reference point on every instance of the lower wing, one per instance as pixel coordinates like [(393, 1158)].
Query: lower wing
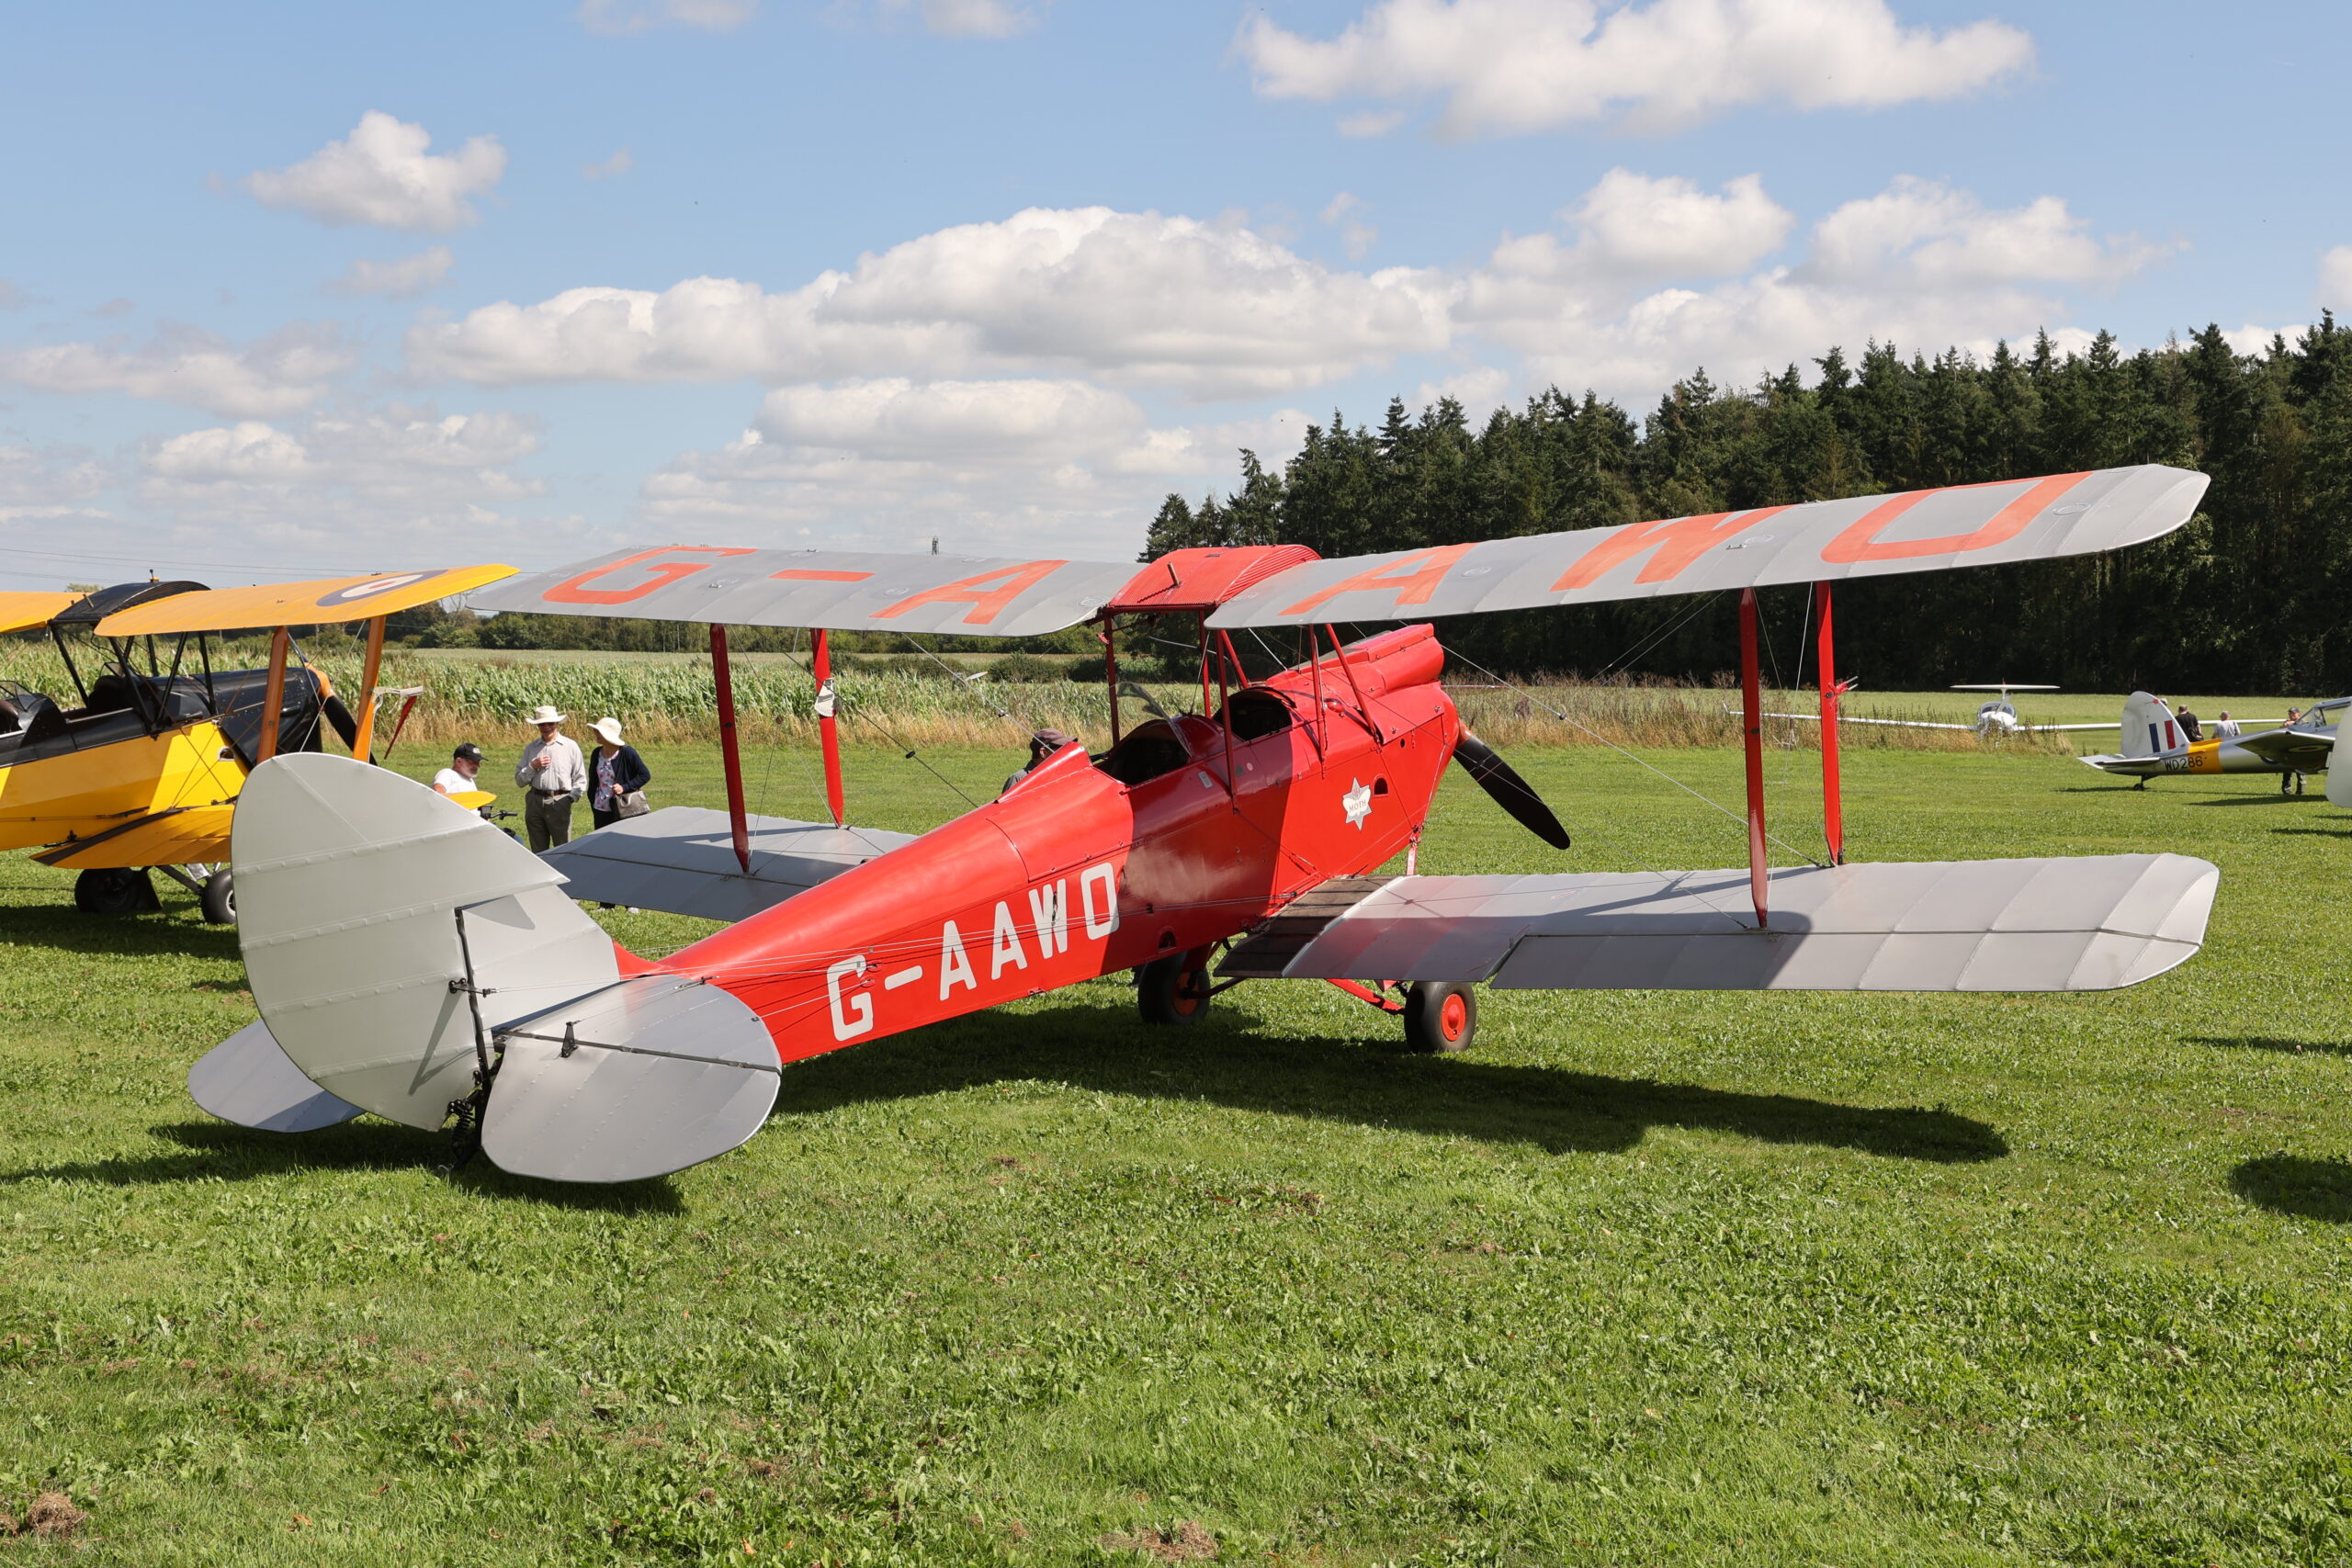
[(2087, 924)]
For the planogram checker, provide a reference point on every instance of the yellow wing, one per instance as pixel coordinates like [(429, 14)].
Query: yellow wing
[(185, 835), (323, 600), (20, 610)]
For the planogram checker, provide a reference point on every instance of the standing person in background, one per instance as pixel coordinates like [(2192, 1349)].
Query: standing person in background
[(616, 776), (556, 775), (2189, 724), (2225, 727)]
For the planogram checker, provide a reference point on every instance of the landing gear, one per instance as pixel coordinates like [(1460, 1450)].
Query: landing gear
[(1174, 989), (218, 899), (116, 890), (1439, 1016)]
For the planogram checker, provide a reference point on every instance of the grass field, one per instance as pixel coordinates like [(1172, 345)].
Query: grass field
[(1643, 1277)]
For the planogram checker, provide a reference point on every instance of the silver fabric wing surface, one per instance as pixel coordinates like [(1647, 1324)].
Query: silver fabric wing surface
[(834, 590), (249, 1079), (681, 860), (2030, 519), (350, 880), (645, 1077), (2087, 924)]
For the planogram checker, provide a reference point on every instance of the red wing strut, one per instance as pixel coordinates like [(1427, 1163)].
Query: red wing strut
[(1871, 535)]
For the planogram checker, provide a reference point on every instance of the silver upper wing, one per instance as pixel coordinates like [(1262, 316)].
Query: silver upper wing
[(834, 590), (2086, 924), (1873, 536)]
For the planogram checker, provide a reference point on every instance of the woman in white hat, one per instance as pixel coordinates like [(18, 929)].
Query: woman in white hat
[(554, 776), (618, 776)]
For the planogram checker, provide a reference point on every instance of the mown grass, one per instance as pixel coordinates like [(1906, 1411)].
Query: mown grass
[(1643, 1277)]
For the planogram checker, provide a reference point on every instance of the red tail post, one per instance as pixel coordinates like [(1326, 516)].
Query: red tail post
[(828, 737), (1833, 815), (728, 750), (1751, 722)]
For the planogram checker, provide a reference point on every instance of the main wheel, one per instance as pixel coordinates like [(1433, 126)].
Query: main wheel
[(1441, 1015), (1174, 989), (116, 890), (219, 899)]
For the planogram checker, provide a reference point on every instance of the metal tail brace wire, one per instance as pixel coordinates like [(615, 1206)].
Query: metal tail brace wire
[(464, 1134)]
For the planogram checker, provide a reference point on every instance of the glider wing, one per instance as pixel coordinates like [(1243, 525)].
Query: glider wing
[(1871, 535), (2086, 924)]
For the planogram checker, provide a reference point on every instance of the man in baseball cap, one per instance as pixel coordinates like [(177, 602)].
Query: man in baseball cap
[(458, 778)]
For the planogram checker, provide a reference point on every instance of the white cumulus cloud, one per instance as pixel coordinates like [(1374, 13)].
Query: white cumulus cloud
[(2335, 278), (48, 483), (1919, 263), (1506, 67), (281, 374), (403, 277), (1209, 309), (381, 173), (617, 16), (380, 469)]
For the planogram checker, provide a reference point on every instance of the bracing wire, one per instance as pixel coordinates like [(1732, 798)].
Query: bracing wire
[(1568, 718)]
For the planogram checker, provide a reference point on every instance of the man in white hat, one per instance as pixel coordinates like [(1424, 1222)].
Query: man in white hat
[(554, 776)]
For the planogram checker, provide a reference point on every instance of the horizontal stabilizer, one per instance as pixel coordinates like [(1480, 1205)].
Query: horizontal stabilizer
[(2086, 924), (681, 860), (648, 1075), (249, 1080)]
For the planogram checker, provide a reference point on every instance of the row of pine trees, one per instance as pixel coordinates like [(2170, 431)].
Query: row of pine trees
[(2251, 597)]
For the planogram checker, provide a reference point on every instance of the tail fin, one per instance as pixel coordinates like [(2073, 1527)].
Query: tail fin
[(391, 938), (2149, 728)]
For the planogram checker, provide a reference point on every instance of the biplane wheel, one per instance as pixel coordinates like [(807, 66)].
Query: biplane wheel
[(1174, 989), (1439, 1016), (218, 900), (115, 890)]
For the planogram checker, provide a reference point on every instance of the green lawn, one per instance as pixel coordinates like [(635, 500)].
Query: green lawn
[(1643, 1277)]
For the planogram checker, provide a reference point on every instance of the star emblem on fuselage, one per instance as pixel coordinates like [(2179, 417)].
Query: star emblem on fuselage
[(1357, 803)]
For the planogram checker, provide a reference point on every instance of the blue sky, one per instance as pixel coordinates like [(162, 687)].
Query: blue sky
[(290, 290)]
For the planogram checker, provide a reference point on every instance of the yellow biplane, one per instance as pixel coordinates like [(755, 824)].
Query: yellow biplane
[(141, 769)]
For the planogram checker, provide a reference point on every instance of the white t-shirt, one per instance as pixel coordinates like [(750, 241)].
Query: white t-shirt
[(448, 781)]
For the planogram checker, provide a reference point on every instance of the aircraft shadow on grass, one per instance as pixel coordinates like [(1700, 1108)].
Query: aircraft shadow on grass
[(2279, 1042), (1370, 1082), (61, 929), (2290, 1184), (2318, 832), (216, 1151)]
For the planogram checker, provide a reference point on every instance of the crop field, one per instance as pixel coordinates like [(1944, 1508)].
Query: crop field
[(1641, 1278)]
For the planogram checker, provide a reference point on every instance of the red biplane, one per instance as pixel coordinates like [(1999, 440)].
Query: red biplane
[(410, 960)]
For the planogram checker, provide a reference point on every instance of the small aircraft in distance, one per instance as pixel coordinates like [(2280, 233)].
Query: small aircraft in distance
[(411, 960), (143, 768), (2155, 747), (1995, 720)]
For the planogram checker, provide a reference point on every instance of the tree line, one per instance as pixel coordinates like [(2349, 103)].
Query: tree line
[(2250, 597)]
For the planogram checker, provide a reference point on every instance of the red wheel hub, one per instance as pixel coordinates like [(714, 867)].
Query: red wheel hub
[(1453, 1016)]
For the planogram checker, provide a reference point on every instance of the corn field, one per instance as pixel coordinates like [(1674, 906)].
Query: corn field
[(486, 699)]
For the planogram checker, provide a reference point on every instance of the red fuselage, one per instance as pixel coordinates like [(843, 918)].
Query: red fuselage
[(1185, 833)]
